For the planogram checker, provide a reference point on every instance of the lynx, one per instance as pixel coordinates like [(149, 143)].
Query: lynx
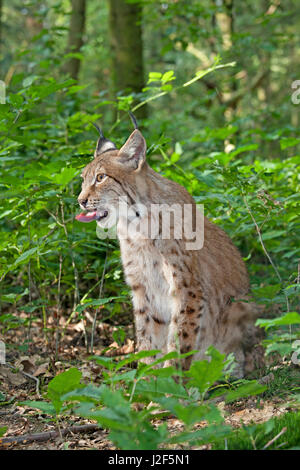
[(184, 299)]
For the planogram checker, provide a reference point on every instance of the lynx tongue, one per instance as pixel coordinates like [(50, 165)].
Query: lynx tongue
[(86, 217)]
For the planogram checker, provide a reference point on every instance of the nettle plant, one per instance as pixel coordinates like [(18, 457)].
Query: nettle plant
[(283, 337), (189, 396)]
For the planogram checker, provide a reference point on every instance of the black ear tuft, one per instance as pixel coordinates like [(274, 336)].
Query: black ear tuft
[(133, 120), (98, 129)]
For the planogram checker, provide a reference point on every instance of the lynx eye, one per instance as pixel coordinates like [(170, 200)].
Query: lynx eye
[(100, 177)]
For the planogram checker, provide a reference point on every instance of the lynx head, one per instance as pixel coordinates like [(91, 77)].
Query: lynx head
[(111, 177)]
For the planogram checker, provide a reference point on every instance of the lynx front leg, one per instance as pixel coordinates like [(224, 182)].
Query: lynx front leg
[(186, 325), (151, 330)]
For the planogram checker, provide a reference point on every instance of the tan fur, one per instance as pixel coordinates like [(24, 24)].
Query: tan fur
[(180, 297)]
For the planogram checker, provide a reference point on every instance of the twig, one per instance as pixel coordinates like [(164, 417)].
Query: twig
[(45, 237), (29, 271), (135, 381), (76, 280), (58, 308), (80, 303), (100, 295), (11, 412), (55, 218), (275, 438), (261, 240), (46, 436), (265, 250)]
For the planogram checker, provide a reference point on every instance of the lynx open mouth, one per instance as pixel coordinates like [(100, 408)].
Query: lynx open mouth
[(90, 216)]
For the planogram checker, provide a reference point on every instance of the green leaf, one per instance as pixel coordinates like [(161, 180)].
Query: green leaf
[(152, 388), (12, 297), (16, 100), (266, 292), (155, 75), (166, 372), (128, 376), (65, 176), (281, 348), (61, 384), (207, 178), (106, 362), (25, 256), (168, 76), (90, 393), (201, 436), (43, 406), (143, 437), (287, 142), (205, 373), (167, 88), (128, 429), (291, 318), (195, 413), (244, 148), (136, 357), (190, 413), (95, 303), (28, 81), (273, 234), (249, 389), (117, 414)]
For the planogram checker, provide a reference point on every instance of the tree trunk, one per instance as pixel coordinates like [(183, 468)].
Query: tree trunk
[(1, 4), (75, 40), (225, 22), (127, 67)]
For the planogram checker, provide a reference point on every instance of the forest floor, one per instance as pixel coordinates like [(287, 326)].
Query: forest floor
[(26, 374)]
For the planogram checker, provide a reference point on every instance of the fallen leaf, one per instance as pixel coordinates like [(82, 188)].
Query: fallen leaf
[(25, 363), (13, 378), (42, 369), (116, 350)]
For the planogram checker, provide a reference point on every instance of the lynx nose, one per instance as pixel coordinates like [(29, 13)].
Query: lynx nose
[(83, 202)]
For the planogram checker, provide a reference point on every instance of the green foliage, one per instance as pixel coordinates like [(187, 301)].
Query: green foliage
[(233, 144), (205, 373), (62, 384), (291, 318), (47, 138), (250, 388), (57, 388), (112, 404), (284, 341)]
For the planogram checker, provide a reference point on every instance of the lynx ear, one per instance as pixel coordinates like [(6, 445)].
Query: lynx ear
[(103, 144), (133, 152)]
